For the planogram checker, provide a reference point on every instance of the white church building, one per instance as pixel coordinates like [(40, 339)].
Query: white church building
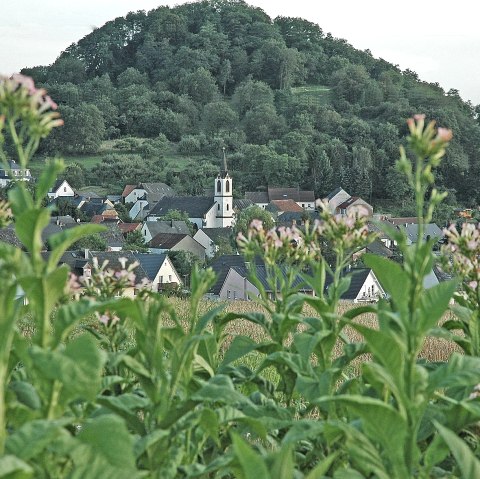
[(215, 211)]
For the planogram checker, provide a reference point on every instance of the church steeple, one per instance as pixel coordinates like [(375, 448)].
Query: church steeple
[(224, 196)]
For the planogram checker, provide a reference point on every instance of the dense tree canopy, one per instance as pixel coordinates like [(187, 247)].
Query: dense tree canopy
[(220, 73)]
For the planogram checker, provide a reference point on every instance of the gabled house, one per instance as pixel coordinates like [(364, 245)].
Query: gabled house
[(13, 172), (210, 238), (364, 286), (61, 189), (279, 207), (160, 270), (335, 198), (164, 242), (153, 228), (144, 196), (304, 199), (353, 205)]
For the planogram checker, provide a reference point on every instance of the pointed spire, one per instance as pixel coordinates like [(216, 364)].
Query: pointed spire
[(224, 160)]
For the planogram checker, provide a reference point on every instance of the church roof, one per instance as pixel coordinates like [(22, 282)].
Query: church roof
[(194, 206)]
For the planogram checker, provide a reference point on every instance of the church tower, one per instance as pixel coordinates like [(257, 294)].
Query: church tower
[(224, 197)]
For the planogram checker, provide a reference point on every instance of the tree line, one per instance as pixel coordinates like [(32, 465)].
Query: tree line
[(221, 73)]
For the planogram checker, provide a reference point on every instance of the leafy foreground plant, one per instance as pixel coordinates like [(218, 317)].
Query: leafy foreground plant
[(136, 392)]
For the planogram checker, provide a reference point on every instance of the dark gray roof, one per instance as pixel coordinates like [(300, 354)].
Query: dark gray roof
[(333, 193), (222, 265), (8, 235), (194, 206), (431, 230), (113, 235), (378, 248), (257, 196), (113, 261), (290, 193), (358, 277), (166, 240), (241, 204), (150, 263), (169, 226), (156, 191), (261, 273), (216, 233), (287, 218)]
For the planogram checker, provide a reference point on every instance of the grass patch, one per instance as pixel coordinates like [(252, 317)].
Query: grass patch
[(313, 94)]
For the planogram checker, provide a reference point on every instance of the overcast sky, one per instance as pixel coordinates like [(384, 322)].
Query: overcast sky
[(439, 40)]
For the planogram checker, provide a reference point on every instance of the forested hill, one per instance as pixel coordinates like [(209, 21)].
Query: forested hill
[(291, 104)]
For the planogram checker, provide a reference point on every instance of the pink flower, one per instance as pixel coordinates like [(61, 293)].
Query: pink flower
[(444, 134), (256, 224)]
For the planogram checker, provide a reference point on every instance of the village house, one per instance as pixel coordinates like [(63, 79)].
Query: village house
[(304, 199), (160, 271), (164, 242), (210, 239), (13, 173), (152, 228), (342, 203), (143, 197), (61, 189), (233, 282), (215, 211)]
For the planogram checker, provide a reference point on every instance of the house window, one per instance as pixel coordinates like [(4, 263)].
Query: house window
[(227, 186), (303, 205), (218, 207), (169, 278), (228, 294), (219, 186), (161, 279), (228, 206), (234, 295), (64, 189)]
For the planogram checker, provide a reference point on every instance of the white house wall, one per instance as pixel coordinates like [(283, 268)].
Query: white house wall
[(206, 242), (236, 287), (370, 290), (133, 196)]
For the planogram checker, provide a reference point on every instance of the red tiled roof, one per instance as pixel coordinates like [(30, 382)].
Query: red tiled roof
[(128, 227), (287, 205), (127, 190)]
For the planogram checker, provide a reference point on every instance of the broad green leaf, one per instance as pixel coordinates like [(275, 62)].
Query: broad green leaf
[(78, 368), (434, 303), (239, 347), (20, 199), (321, 469), (126, 406), (466, 460), (11, 467), (386, 349), (391, 276), (68, 316), (110, 439), (362, 452), (303, 429), (380, 422), (283, 464), (29, 226), (252, 465), (26, 394), (459, 371), (219, 389), (47, 179), (33, 437)]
